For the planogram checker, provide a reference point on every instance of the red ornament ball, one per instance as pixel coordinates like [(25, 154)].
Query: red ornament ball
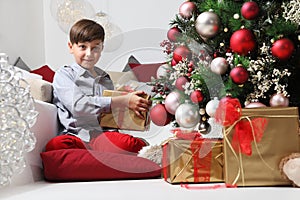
[(159, 115), (173, 33), (181, 81), (187, 9), (239, 75), (180, 53), (282, 49), (250, 10), (196, 96), (242, 41), (173, 62)]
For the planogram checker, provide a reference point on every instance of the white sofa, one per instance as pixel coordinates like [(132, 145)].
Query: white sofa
[(31, 185)]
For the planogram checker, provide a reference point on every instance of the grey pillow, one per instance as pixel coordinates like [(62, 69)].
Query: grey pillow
[(133, 60), (21, 64)]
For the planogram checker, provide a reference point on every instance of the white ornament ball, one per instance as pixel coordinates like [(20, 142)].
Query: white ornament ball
[(219, 65), (187, 115), (212, 106), (207, 24), (172, 102), (162, 71), (279, 100)]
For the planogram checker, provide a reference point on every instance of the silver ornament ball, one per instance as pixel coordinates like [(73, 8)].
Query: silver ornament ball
[(187, 115), (207, 24)]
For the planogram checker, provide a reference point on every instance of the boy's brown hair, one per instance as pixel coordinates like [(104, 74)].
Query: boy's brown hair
[(86, 30)]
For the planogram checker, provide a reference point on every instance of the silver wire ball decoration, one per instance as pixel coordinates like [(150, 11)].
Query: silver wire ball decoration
[(17, 116)]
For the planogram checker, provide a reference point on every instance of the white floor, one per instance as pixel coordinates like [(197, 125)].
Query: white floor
[(140, 190)]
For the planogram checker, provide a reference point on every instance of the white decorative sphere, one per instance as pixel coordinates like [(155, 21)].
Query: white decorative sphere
[(219, 65), (162, 71), (172, 102), (212, 106), (279, 100), (187, 115)]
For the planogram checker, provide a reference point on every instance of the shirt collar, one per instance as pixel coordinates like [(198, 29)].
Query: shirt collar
[(81, 71)]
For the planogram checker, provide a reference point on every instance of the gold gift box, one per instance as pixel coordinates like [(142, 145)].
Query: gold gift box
[(280, 139), (193, 161), (123, 118)]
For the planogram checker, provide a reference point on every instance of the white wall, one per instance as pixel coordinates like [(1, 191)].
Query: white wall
[(28, 30), (144, 24), (21, 30)]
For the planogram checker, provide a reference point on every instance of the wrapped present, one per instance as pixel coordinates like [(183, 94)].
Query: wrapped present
[(192, 161), (124, 118), (255, 144)]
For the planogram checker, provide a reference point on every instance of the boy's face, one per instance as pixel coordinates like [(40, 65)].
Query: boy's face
[(86, 54)]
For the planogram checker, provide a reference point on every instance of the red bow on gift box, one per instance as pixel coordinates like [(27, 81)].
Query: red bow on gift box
[(246, 130)]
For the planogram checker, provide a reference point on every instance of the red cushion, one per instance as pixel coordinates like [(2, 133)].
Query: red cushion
[(117, 142), (144, 72), (46, 72), (87, 165)]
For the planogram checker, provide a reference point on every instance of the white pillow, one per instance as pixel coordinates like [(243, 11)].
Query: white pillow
[(27, 75)]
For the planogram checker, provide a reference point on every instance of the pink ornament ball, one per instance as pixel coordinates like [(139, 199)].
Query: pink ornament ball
[(187, 9), (279, 100), (181, 81), (173, 34), (255, 105), (172, 102), (159, 115)]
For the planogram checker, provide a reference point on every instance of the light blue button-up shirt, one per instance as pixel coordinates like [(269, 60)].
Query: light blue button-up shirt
[(78, 97)]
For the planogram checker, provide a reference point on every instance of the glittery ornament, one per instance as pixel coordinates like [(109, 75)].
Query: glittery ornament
[(172, 102), (187, 9), (219, 65), (279, 100), (282, 49), (207, 25), (187, 115), (250, 10), (242, 41), (159, 115)]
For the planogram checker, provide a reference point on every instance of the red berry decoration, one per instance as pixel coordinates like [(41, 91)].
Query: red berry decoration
[(239, 75), (242, 41), (159, 115), (182, 80), (250, 10), (282, 49), (187, 9), (173, 34), (180, 53), (196, 96)]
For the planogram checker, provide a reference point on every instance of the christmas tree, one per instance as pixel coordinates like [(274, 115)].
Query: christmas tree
[(247, 50)]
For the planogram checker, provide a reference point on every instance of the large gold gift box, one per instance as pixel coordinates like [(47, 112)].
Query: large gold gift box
[(193, 161), (279, 139), (123, 118)]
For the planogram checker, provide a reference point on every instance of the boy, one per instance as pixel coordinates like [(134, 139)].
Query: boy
[(77, 93)]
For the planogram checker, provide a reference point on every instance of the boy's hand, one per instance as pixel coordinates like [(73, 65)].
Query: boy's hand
[(138, 104)]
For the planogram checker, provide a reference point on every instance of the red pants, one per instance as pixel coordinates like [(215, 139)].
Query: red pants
[(107, 142)]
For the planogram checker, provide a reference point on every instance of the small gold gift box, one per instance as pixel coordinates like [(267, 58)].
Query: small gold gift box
[(193, 161), (123, 118), (261, 168)]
